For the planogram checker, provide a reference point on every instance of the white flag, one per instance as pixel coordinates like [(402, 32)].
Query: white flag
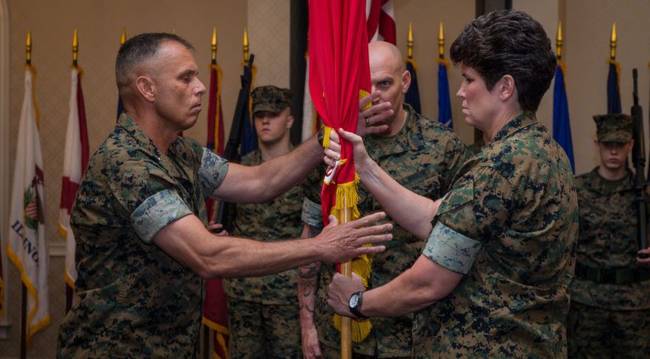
[(26, 246), (75, 159)]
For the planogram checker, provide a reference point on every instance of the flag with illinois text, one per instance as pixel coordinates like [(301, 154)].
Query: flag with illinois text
[(26, 247)]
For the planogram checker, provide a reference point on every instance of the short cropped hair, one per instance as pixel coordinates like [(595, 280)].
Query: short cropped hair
[(507, 42), (140, 48)]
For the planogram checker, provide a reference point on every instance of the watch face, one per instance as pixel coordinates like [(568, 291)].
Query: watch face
[(354, 300)]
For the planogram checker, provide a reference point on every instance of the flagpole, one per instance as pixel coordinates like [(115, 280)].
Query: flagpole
[(123, 37), (75, 47), (612, 43), (213, 62), (346, 270), (69, 291), (23, 288), (23, 321)]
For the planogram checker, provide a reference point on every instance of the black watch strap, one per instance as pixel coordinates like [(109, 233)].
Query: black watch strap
[(356, 310)]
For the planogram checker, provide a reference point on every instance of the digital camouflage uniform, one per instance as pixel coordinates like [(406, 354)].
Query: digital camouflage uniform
[(135, 301), (263, 312), (423, 157), (509, 224), (609, 317)]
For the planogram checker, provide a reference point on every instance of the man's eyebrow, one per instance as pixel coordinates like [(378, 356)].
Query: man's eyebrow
[(188, 72)]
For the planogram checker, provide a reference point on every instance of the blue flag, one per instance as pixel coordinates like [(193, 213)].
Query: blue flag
[(248, 135), (412, 96), (561, 123), (444, 101), (613, 94)]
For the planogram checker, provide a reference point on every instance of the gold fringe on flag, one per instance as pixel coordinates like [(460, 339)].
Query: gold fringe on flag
[(346, 193)]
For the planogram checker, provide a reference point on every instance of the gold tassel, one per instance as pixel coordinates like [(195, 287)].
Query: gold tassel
[(361, 266)]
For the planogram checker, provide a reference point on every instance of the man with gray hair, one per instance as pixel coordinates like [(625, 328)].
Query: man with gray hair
[(140, 220)]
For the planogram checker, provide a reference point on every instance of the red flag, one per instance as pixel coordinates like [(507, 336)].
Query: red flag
[(75, 161), (381, 21), (339, 76), (338, 72), (215, 309), (215, 121), (215, 316)]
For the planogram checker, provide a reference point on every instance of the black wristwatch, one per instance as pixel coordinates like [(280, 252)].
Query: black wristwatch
[(354, 304)]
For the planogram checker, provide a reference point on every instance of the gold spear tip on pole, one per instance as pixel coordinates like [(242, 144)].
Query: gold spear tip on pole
[(409, 42), (245, 45), (213, 45), (123, 37), (441, 40), (75, 47), (28, 48), (559, 41), (612, 43)]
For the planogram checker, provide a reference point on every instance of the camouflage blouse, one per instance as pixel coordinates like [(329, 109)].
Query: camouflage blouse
[(278, 219), (135, 300), (509, 225), (608, 239)]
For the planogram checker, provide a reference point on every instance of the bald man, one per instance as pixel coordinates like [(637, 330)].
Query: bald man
[(421, 155), (139, 217)]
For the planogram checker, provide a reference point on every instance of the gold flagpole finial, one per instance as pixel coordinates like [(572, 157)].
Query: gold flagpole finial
[(75, 47), (245, 45), (409, 42), (213, 45), (123, 37), (612, 43), (28, 48), (559, 41), (441, 41)]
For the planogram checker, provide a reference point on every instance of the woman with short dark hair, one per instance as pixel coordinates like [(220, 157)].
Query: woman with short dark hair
[(501, 243)]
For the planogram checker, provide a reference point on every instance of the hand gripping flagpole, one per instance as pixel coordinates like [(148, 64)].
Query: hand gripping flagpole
[(338, 73), (346, 270)]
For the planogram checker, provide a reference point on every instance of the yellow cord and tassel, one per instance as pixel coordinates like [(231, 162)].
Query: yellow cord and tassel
[(346, 193), (347, 198)]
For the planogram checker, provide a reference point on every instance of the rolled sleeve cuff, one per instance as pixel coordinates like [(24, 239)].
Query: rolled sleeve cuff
[(451, 249), (212, 172), (156, 212), (311, 213)]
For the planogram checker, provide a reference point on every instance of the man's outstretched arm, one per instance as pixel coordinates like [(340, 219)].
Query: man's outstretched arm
[(190, 243), (254, 184)]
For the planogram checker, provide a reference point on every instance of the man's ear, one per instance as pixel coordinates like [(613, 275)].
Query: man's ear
[(290, 121), (406, 81), (146, 88)]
